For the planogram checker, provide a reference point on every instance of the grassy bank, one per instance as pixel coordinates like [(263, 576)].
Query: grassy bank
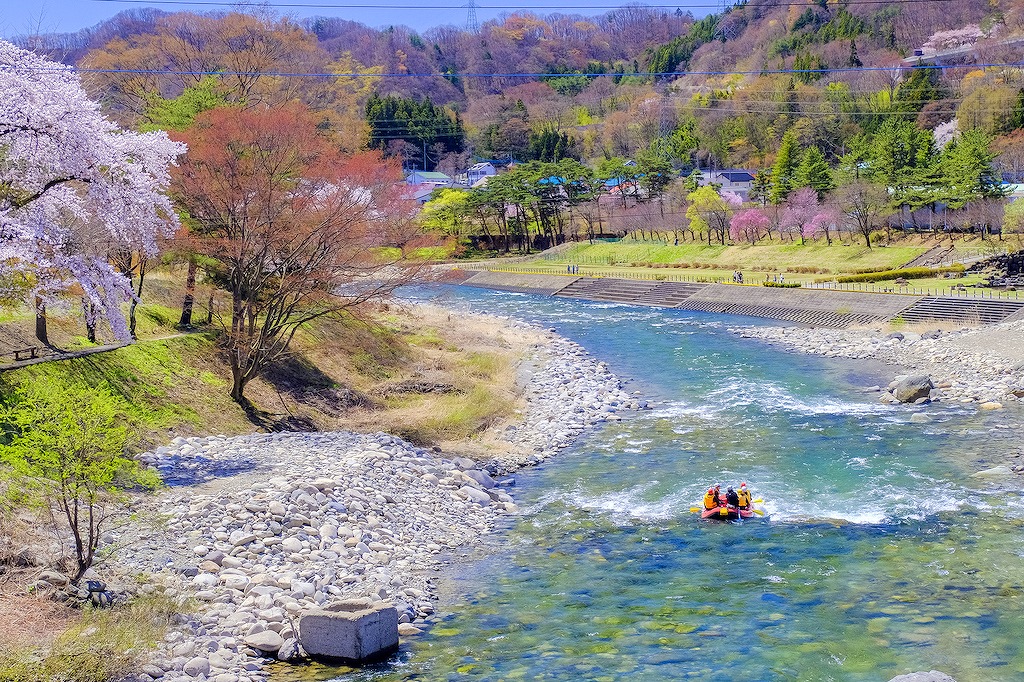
[(420, 372)]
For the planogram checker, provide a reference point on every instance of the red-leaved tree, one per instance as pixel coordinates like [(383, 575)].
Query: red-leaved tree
[(297, 231)]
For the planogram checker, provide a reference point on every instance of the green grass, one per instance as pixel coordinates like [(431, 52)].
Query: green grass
[(159, 385), (762, 257), (103, 645)]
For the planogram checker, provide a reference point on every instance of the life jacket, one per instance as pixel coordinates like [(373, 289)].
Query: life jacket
[(709, 500), (744, 497)]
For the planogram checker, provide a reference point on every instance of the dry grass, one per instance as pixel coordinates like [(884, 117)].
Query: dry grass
[(96, 646), (473, 357), (29, 621)]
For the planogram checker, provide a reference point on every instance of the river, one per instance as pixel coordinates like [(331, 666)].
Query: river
[(880, 554)]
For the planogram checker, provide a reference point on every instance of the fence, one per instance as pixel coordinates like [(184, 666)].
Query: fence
[(865, 287)]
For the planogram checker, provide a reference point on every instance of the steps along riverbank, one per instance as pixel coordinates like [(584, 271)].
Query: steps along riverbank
[(812, 307)]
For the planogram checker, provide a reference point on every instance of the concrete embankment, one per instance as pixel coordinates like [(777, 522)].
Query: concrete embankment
[(813, 307)]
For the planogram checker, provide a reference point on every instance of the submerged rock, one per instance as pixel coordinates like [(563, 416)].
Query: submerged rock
[(994, 472), (930, 676)]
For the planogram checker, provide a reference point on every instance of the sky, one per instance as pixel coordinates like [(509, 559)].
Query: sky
[(20, 17)]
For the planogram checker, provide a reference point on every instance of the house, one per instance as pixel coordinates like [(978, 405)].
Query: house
[(478, 171), (418, 177), (737, 180), (422, 193)]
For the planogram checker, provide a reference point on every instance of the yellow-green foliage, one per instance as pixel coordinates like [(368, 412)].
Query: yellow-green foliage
[(103, 645), (765, 257), (905, 273), (158, 384)]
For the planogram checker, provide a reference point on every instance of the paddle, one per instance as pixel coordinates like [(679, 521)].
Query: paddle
[(759, 512), (694, 509)]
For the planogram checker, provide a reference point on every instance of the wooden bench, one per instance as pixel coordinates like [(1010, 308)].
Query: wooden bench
[(30, 353)]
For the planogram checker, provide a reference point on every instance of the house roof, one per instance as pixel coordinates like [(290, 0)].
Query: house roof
[(733, 174), (481, 166), (432, 176)]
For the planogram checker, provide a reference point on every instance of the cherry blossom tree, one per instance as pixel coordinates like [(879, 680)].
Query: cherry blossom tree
[(801, 207), (65, 171), (825, 222), (749, 225)]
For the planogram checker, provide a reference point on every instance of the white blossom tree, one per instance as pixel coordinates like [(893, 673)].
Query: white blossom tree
[(64, 167)]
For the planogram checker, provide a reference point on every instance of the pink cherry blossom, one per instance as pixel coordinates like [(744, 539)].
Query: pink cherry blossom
[(66, 171)]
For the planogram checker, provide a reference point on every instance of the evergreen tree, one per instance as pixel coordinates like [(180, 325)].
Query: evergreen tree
[(421, 124), (785, 166), (1017, 117), (814, 172), (655, 172), (761, 187), (968, 171), (854, 59)]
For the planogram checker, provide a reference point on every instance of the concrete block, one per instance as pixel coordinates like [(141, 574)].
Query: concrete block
[(363, 635)]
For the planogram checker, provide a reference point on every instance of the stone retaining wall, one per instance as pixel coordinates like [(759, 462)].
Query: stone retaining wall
[(812, 307)]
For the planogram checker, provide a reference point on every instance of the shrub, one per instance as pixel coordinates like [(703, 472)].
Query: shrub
[(781, 285), (103, 645), (906, 273), (68, 452)]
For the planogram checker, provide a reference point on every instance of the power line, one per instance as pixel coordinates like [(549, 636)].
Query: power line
[(306, 5), (638, 74)]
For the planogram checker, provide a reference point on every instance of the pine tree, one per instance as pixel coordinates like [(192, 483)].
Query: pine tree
[(784, 168), (761, 187), (854, 57), (814, 172)]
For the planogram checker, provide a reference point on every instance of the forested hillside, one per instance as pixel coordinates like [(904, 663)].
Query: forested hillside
[(915, 105), (528, 73)]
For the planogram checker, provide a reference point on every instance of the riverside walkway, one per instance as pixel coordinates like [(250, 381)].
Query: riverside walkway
[(818, 307)]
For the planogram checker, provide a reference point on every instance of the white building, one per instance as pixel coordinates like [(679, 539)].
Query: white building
[(737, 180), (478, 171)]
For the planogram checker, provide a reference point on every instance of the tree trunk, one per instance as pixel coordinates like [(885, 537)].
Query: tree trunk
[(209, 309), (41, 322), (138, 297), (190, 295), (90, 320), (237, 382)]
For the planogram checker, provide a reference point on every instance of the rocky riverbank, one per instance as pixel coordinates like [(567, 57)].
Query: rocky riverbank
[(262, 528), (983, 366)]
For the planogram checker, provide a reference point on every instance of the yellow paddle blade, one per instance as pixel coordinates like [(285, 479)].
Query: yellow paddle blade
[(759, 512), (695, 509), (758, 501)]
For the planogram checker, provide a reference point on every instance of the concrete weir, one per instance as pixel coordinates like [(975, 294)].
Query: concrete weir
[(813, 307)]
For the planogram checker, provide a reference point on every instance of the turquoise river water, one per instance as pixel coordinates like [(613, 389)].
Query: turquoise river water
[(880, 556)]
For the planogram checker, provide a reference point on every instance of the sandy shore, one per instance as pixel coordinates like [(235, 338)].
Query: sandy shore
[(262, 528)]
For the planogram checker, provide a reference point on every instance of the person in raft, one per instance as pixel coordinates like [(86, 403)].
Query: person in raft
[(710, 498), (732, 498), (743, 497)]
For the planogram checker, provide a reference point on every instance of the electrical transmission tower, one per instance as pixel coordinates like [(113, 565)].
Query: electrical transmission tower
[(472, 25)]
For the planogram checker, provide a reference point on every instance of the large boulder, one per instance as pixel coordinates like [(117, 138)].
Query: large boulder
[(931, 676), (365, 634), (911, 388)]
